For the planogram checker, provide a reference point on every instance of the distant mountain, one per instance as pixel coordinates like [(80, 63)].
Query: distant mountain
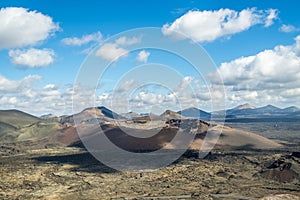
[(269, 109), (247, 110), (244, 106), (169, 114), (195, 113), (291, 109), (46, 116), (243, 111)]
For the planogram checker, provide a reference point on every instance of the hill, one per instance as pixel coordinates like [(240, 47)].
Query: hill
[(17, 118), (167, 125), (230, 139), (169, 114), (91, 116), (6, 128), (195, 113), (234, 139)]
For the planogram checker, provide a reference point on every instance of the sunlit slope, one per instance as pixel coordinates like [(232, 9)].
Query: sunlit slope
[(17, 118)]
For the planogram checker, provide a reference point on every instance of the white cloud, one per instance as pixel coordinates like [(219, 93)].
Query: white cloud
[(21, 27), (288, 28), (16, 86), (174, 100), (32, 57), (126, 86), (279, 65), (185, 82), (272, 15), (8, 100), (244, 96), (50, 87), (188, 92), (85, 39), (27, 95), (143, 56), (271, 76), (154, 102), (125, 41), (111, 52), (208, 25)]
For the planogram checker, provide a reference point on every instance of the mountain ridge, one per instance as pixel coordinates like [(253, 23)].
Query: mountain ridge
[(16, 118), (64, 132)]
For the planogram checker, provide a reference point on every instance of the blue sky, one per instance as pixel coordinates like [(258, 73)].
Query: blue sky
[(43, 87)]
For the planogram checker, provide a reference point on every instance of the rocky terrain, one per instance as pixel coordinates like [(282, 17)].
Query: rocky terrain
[(71, 173)]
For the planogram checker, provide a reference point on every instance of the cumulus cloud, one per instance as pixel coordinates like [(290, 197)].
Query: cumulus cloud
[(28, 95), (287, 28), (32, 57), (25, 94), (208, 25), (244, 96), (279, 65), (147, 100), (17, 86), (114, 51), (8, 100), (85, 39), (188, 92), (21, 27), (270, 74), (111, 52), (143, 56)]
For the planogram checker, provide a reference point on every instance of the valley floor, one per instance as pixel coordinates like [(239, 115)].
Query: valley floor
[(70, 173)]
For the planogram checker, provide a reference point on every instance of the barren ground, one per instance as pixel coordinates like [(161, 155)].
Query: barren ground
[(70, 173)]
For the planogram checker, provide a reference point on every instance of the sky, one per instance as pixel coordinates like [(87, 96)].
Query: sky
[(254, 47)]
